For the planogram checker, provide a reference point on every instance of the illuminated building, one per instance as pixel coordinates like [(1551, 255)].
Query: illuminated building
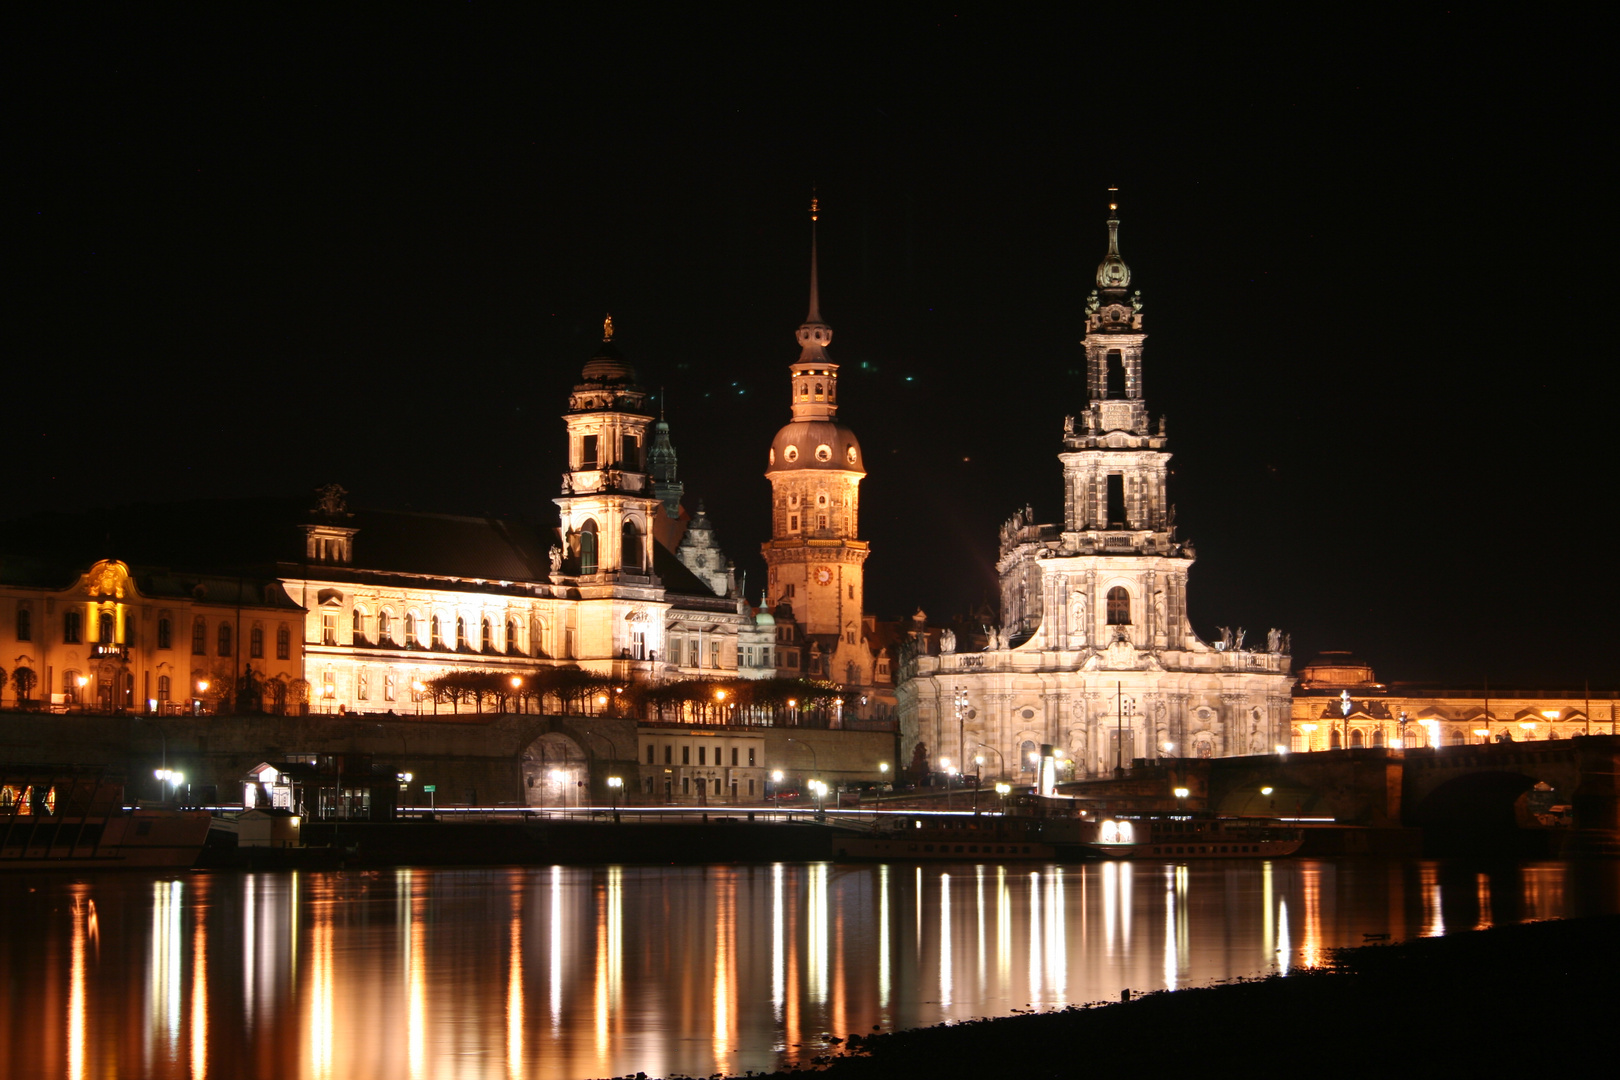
[(1096, 656), (815, 559), (150, 641), (1414, 715)]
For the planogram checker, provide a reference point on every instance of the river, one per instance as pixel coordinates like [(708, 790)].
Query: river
[(570, 972)]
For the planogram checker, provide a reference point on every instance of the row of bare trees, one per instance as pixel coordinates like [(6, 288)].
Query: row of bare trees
[(568, 689)]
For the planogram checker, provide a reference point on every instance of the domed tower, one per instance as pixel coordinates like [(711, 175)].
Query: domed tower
[(607, 500), (814, 557)]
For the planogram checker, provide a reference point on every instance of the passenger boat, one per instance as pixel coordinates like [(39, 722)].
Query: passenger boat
[(1178, 837), (66, 818), (958, 838)]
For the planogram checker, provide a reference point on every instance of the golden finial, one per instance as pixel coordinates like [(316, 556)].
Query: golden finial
[(1113, 207), (607, 328), (815, 205)]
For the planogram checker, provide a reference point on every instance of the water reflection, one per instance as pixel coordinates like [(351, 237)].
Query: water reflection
[(605, 971)]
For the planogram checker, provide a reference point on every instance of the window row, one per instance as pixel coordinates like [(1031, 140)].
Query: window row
[(704, 755), (408, 633), (106, 633)]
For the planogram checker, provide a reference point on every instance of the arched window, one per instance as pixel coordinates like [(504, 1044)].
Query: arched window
[(1116, 375), (486, 640), (461, 632), (70, 687), (106, 631), (283, 642), (224, 638), (129, 629), (537, 638), (631, 554), (165, 633), (25, 624), (256, 642), (383, 635), (199, 636), (438, 633), (1119, 606), (511, 635), (1028, 757), (163, 688), (818, 389), (359, 626), (587, 548), (412, 636), (1356, 738)]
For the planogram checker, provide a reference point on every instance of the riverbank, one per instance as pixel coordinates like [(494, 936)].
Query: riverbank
[(1536, 996)]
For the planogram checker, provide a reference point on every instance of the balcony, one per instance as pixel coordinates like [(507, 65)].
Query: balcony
[(108, 650)]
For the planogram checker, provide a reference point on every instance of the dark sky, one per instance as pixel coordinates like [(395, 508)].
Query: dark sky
[(254, 253)]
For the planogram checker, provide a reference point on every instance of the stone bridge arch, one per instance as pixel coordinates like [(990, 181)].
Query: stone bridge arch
[(565, 761)]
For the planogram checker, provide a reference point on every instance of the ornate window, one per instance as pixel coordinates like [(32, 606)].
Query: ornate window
[(328, 628), (461, 632), (412, 634), (389, 686), (106, 631), (384, 630), (1119, 606), (511, 635), (163, 688), (199, 636), (437, 631), (359, 626), (587, 548), (362, 685), (631, 553), (486, 637)]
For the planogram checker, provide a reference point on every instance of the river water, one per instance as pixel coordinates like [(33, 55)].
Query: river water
[(573, 972)]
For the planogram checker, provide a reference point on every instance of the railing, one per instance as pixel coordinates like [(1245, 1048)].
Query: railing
[(106, 650)]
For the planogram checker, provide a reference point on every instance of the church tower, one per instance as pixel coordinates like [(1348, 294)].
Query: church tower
[(608, 501), (814, 557)]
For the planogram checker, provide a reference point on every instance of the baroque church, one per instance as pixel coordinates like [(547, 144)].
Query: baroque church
[(1095, 664)]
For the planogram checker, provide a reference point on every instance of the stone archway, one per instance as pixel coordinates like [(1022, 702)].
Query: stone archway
[(556, 773)]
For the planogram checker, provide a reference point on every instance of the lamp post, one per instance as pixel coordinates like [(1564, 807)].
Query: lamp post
[(615, 783), (517, 684), (418, 688), (961, 724), (1126, 710), (1003, 789), (1345, 705), (166, 777), (1400, 731), (1001, 762), (776, 789)]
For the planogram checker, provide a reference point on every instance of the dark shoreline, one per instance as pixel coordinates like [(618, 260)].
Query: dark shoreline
[(1537, 996)]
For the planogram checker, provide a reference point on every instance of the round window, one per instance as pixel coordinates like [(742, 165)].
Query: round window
[(823, 452), (791, 453), (1029, 714), (850, 453)]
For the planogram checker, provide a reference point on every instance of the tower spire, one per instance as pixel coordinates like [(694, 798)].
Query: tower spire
[(815, 289), (1113, 273)]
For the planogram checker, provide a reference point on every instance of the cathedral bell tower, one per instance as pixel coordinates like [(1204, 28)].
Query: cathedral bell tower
[(607, 503), (814, 557)]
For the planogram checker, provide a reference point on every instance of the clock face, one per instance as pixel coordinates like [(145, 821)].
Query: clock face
[(824, 576)]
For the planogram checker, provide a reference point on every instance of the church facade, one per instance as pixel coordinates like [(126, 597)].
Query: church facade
[(1095, 660)]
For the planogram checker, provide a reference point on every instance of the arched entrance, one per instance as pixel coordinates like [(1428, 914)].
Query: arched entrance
[(556, 773)]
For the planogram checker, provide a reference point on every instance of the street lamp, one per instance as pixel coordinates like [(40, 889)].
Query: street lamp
[(1003, 789), (821, 799), (168, 776), (1345, 705), (615, 783), (961, 723), (559, 776), (517, 684), (418, 688), (1400, 728), (776, 788), (1001, 762)]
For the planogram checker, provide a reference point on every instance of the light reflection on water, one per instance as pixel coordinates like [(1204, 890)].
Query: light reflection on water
[(603, 971)]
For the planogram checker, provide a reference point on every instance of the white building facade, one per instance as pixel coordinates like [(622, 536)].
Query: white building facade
[(1096, 659)]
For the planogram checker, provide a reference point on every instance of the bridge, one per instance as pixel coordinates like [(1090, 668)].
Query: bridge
[(1562, 783)]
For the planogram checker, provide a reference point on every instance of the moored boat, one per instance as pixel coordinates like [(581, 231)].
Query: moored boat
[(66, 818), (1179, 837), (957, 838)]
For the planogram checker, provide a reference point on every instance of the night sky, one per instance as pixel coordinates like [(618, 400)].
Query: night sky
[(254, 253)]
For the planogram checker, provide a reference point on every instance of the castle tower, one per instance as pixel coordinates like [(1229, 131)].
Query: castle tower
[(607, 501), (661, 466), (814, 557)]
